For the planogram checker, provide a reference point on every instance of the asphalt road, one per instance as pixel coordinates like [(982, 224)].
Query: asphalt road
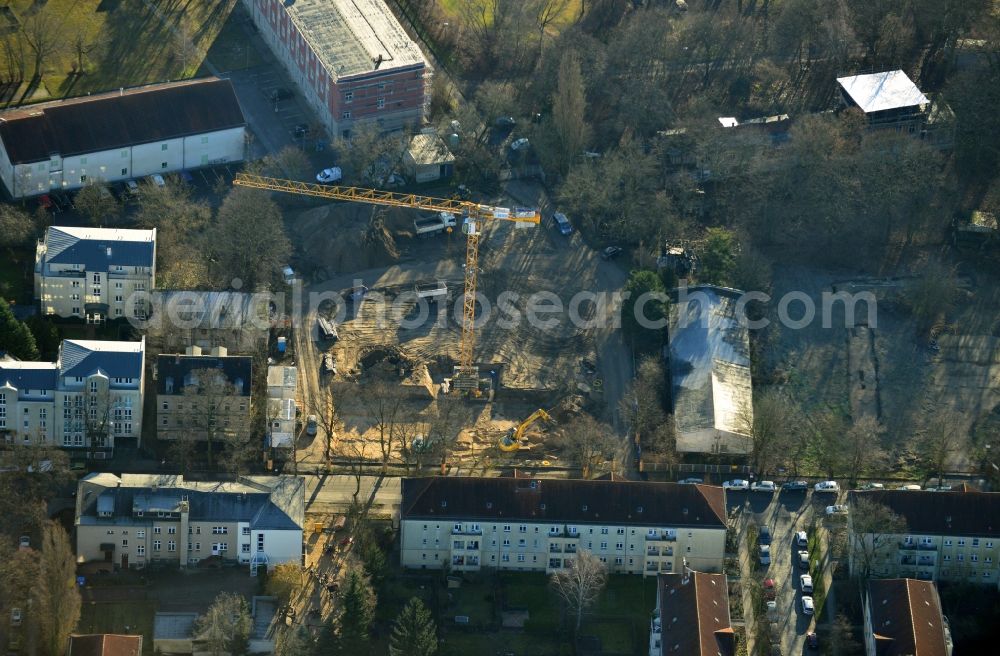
[(784, 513)]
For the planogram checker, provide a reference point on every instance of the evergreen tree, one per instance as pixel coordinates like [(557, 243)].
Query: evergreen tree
[(414, 633), (644, 312), (15, 338), (375, 562), (358, 612)]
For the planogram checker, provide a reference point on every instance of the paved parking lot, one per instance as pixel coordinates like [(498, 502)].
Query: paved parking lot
[(784, 513)]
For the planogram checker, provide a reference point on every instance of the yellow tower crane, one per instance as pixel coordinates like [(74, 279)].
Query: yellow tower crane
[(474, 216)]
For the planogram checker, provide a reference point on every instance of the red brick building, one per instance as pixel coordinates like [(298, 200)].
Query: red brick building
[(351, 60)]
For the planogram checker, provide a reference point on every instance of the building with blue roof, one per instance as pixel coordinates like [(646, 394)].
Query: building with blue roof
[(95, 273), (139, 519), (85, 400)]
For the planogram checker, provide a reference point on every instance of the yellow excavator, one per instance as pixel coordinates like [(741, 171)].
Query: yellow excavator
[(512, 440)]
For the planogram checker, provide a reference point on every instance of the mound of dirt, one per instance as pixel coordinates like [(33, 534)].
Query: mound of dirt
[(336, 239)]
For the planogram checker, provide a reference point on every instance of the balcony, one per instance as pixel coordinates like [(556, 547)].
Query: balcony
[(466, 531), (570, 548), (555, 548), (472, 545), (908, 560), (661, 537), (911, 546), (924, 560)]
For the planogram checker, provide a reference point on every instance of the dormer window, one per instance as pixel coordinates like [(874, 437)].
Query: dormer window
[(168, 384)]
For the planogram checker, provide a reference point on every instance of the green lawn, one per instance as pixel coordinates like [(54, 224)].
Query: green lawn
[(104, 617), (124, 43)]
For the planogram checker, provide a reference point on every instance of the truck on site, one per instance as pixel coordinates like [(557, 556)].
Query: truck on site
[(434, 224), (327, 329), (433, 292)]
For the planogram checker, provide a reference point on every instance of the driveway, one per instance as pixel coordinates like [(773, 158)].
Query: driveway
[(784, 513)]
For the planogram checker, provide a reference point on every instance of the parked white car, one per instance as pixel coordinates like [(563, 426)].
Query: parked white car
[(913, 487), (839, 509), (736, 484), (807, 605), (827, 486), (24, 542), (690, 481), (765, 555), (520, 144), (158, 180), (806, 583), (873, 486), (764, 486), (311, 425), (803, 560), (801, 539), (327, 176)]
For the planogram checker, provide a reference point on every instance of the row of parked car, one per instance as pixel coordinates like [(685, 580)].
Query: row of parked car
[(771, 486), (800, 543)]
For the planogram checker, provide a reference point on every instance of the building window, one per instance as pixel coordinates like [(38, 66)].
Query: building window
[(245, 548), (380, 103), (506, 528), (505, 558), (124, 171), (220, 530), (140, 550), (975, 542), (961, 542), (621, 531), (246, 530), (163, 146), (163, 165), (348, 97), (124, 153), (346, 115), (83, 179), (124, 542), (520, 557), (260, 542), (522, 528), (141, 533), (171, 530), (204, 140), (156, 545), (171, 545), (619, 546), (156, 530)]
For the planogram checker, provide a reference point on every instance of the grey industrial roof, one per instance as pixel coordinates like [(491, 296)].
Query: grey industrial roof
[(173, 626), (82, 357), (119, 119), (561, 500), (429, 149), (264, 502), (29, 375), (235, 368), (877, 92), (282, 377), (348, 36), (213, 309), (99, 248), (709, 361)]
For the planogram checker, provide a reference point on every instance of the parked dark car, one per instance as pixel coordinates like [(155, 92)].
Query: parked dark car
[(611, 252), (301, 130), (796, 486), (812, 640), (281, 93), (764, 535)]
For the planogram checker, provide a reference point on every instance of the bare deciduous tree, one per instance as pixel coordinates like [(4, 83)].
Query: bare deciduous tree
[(873, 529), (97, 204), (324, 406), (44, 34), (248, 241), (935, 446), (580, 585), (225, 627), (383, 403), (593, 446)]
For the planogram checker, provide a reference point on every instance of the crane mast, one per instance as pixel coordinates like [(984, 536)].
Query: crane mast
[(474, 216)]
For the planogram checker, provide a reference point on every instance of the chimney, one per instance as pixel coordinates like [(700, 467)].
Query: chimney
[(220, 351), (378, 61), (108, 251), (192, 350)]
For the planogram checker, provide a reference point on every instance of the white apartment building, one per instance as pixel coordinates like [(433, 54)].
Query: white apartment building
[(91, 396), (131, 133), (949, 536), (539, 525), (139, 519), (95, 273)]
